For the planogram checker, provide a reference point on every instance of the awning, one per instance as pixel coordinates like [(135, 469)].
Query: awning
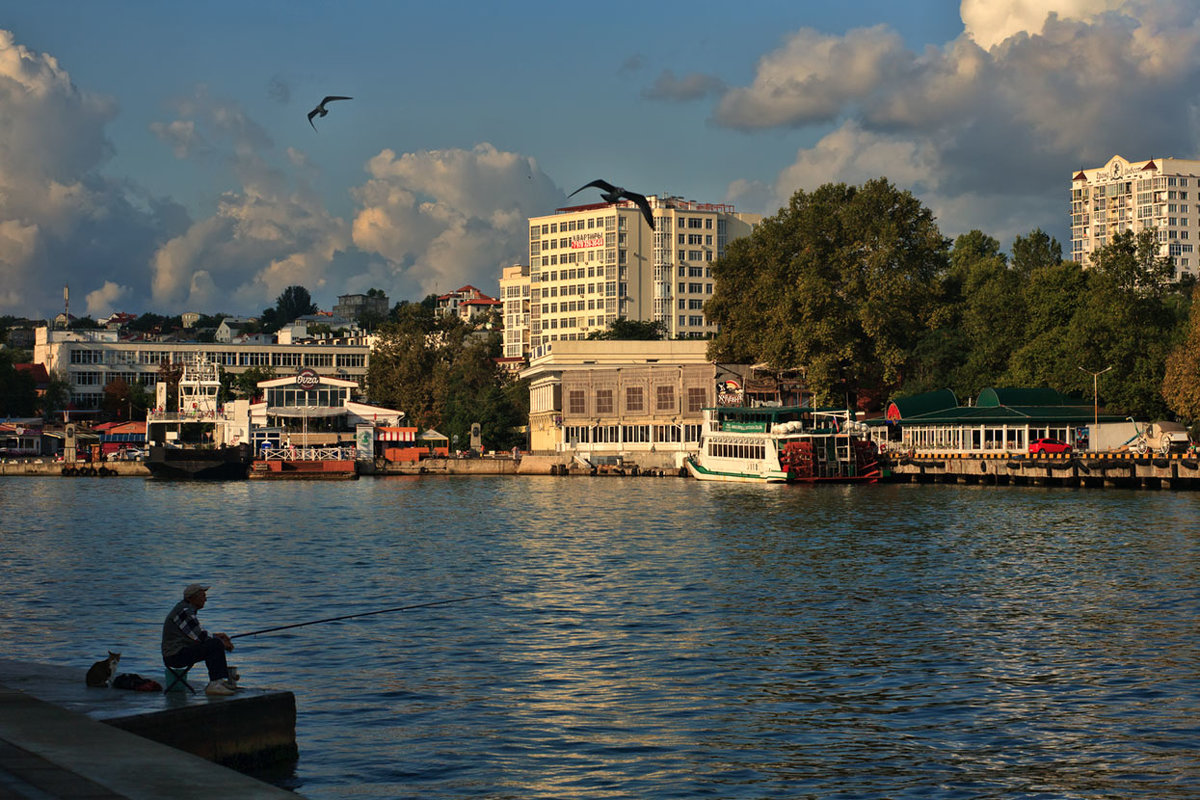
[(131, 438), (305, 411), (386, 434)]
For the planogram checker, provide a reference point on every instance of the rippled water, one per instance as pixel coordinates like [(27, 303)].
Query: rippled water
[(655, 638)]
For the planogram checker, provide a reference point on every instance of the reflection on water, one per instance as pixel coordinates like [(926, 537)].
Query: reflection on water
[(655, 637)]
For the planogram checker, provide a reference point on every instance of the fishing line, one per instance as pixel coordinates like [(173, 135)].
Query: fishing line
[(363, 614)]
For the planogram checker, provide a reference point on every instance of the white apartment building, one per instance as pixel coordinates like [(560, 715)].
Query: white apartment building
[(514, 294), (1135, 195), (90, 359), (590, 264)]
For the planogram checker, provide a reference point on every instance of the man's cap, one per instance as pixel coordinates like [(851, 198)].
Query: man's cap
[(193, 588)]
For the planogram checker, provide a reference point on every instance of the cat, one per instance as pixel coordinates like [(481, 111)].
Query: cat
[(102, 672)]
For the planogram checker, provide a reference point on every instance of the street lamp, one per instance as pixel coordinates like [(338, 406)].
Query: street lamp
[(1095, 393)]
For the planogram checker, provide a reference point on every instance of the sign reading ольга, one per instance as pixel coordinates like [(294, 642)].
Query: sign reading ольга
[(307, 379)]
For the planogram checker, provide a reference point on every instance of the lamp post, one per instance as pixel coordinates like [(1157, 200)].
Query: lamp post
[(1095, 393)]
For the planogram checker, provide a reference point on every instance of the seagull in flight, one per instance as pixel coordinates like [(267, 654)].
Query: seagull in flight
[(321, 110), (613, 194)]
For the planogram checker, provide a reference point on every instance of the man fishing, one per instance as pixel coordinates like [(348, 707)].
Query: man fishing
[(185, 642)]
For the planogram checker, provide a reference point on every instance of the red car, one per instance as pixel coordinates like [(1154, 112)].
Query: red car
[(1049, 446)]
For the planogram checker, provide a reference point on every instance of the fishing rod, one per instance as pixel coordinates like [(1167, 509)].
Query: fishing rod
[(363, 614)]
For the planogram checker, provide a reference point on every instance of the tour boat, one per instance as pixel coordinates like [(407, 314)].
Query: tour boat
[(784, 444), (201, 440)]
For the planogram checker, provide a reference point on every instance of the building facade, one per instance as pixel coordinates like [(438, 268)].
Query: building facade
[(467, 303), (1133, 196), (604, 398), (91, 359), (353, 306), (514, 294), (591, 264)]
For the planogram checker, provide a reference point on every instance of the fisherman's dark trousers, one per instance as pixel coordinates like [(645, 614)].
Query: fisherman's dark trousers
[(211, 651)]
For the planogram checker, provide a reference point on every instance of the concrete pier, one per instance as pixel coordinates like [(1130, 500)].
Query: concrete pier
[(1178, 471), (60, 738)]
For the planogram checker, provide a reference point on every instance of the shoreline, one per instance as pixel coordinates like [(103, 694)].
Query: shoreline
[(1081, 470)]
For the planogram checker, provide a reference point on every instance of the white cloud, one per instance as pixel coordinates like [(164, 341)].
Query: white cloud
[(812, 77), (61, 220), (103, 301), (997, 119), (990, 22), (444, 218), (255, 246)]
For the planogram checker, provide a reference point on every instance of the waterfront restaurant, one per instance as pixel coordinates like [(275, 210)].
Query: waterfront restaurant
[(312, 410), (1001, 421)]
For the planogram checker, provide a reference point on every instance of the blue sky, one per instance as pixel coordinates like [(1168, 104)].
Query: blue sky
[(156, 156)]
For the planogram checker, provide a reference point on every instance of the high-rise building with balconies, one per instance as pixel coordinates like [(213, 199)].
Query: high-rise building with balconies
[(1135, 195), (591, 264)]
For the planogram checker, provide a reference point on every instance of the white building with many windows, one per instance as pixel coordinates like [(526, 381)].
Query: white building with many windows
[(91, 359), (1133, 196), (514, 294), (590, 264)]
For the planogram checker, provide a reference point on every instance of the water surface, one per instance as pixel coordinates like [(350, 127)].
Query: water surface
[(654, 638)]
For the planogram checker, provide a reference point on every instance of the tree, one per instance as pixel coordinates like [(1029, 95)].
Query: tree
[(18, 392), (1181, 381), (292, 303), (1035, 251), (57, 396), (124, 401), (245, 384), (841, 283), (1126, 321), (626, 329)]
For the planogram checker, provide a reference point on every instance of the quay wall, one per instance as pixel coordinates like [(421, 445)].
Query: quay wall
[(1084, 469)]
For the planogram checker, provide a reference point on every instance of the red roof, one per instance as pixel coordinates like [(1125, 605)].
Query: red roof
[(36, 371)]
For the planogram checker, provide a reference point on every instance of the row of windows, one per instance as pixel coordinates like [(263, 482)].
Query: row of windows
[(635, 400), (695, 272), (566, 226), (754, 452), (691, 305), (695, 288), (695, 238), (283, 396), (634, 434), (253, 358)]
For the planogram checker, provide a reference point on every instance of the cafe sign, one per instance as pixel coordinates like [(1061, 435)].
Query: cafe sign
[(307, 379)]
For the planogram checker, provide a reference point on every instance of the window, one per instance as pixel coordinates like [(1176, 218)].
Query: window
[(576, 404), (696, 397), (604, 402), (665, 398), (634, 401)]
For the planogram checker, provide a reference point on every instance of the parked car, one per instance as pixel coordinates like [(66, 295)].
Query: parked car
[(133, 454), (1049, 446)]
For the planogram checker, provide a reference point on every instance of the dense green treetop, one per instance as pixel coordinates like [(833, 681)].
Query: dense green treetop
[(841, 283)]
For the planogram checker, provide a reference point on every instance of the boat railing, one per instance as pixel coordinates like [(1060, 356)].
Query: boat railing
[(309, 454), (157, 415)]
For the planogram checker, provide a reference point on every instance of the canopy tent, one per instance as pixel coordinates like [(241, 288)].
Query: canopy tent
[(389, 434), (123, 438)]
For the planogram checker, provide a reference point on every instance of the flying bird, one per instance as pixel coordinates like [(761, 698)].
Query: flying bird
[(321, 110), (613, 194)]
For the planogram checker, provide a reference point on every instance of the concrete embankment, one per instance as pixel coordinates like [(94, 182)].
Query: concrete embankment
[(129, 469), (1093, 470), (60, 738)]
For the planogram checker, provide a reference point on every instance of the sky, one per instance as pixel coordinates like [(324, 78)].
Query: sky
[(156, 157)]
